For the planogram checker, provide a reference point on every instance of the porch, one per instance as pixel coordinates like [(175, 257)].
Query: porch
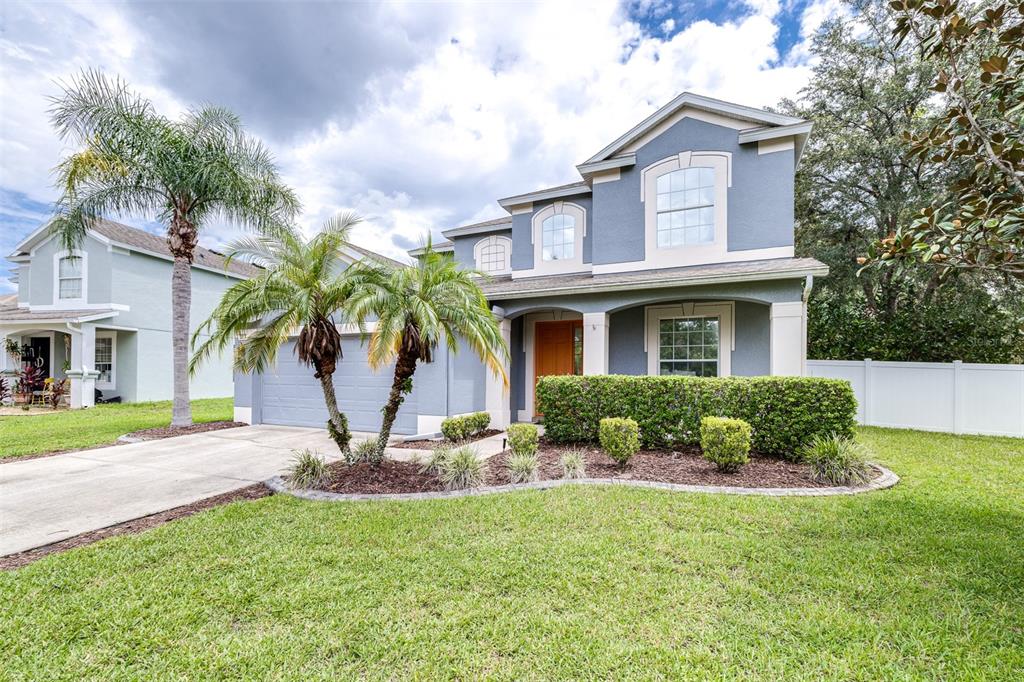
[(80, 346), (739, 329)]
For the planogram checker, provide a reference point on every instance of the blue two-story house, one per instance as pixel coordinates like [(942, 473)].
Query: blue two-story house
[(672, 255)]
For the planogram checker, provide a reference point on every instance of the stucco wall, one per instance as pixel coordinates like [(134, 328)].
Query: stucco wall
[(760, 200), (97, 265), (464, 245)]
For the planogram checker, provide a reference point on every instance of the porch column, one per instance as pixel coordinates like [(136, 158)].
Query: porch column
[(496, 392), (788, 338), (83, 373), (595, 343)]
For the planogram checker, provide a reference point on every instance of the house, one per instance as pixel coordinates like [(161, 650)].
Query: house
[(101, 315), (673, 254)]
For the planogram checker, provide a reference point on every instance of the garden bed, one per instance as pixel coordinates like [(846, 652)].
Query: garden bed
[(684, 466), (434, 443), (172, 431)]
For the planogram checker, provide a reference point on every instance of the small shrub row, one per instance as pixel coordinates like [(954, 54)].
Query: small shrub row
[(784, 413), (726, 442), (620, 438), (458, 429)]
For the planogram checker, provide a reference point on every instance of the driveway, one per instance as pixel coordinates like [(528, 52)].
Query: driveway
[(51, 498)]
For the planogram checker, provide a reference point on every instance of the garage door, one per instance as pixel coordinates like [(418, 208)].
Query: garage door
[(292, 397)]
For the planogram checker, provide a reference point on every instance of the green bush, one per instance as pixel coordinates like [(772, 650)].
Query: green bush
[(522, 439), (307, 470), (458, 429), (837, 460), (726, 442), (522, 468), (620, 438), (461, 468), (784, 412), (365, 451), (573, 463)]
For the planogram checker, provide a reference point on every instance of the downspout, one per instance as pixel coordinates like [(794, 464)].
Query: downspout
[(808, 287)]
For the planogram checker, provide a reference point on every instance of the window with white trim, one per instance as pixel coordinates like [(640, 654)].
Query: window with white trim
[(558, 237), (686, 207), (492, 257), (104, 363), (69, 277), (688, 346)]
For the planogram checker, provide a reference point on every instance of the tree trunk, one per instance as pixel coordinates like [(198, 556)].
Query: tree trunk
[(181, 308), (405, 366), (337, 424)]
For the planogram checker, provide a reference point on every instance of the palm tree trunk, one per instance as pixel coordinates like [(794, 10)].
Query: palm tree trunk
[(337, 424), (181, 308), (405, 366)]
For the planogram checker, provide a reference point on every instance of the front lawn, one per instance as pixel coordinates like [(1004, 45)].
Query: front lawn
[(100, 425), (925, 580)]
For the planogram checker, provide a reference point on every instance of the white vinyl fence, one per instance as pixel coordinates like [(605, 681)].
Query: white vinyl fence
[(934, 396)]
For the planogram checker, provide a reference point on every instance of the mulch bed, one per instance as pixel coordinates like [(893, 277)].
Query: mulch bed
[(683, 465), (434, 444), (172, 431), (252, 492)]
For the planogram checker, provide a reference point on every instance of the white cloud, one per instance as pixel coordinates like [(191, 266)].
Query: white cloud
[(503, 99)]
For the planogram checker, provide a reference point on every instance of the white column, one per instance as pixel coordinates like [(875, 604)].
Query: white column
[(788, 338), (595, 343), (496, 395), (83, 373)]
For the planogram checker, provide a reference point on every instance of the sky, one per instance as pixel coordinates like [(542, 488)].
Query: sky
[(418, 116)]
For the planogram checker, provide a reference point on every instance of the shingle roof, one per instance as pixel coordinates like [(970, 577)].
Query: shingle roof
[(147, 241), (691, 275), (376, 256), (10, 312), (473, 228)]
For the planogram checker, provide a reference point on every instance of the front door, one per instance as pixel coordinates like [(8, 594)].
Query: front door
[(39, 354), (558, 349)]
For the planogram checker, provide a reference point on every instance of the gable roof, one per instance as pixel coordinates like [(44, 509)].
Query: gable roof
[(757, 118), (569, 190), (505, 222)]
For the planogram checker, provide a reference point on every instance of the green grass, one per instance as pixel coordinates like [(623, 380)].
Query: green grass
[(98, 425), (924, 581)]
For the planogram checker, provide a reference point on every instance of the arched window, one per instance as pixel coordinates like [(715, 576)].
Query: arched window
[(686, 207), (493, 255), (558, 237)]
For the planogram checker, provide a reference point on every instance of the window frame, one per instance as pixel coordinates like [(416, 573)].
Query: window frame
[(567, 265), (686, 254), (724, 311), (112, 335), (699, 206), (489, 242), (83, 258)]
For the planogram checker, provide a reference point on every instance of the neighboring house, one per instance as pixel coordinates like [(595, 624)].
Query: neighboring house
[(101, 315), (672, 255)]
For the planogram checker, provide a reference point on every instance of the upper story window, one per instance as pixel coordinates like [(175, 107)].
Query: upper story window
[(70, 277), (686, 207), (558, 234), (493, 255)]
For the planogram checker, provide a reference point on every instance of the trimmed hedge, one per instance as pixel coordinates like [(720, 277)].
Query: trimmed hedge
[(523, 439), (458, 429), (620, 438), (726, 442), (784, 413)]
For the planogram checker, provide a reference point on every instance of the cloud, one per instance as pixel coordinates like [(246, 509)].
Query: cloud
[(418, 116)]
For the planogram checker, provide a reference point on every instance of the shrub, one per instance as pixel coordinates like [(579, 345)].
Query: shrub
[(837, 460), (573, 464), (726, 442), (456, 429), (522, 439), (436, 460), (307, 470), (784, 412), (460, 469), (522, 468), (365, 451), (620, 438)]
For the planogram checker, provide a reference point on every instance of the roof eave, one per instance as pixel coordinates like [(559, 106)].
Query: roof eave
[(794, 273), (541, 195), (476, 229)]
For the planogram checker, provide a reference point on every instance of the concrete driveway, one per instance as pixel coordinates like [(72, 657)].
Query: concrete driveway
[(51, 498)]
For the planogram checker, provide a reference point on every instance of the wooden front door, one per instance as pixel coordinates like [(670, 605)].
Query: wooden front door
[(557, 349)]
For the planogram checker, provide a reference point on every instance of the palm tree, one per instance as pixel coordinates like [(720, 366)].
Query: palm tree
[(302, 286), (185, 173), (415, 308)]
